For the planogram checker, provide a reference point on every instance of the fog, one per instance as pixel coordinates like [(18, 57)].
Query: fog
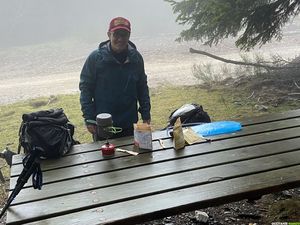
[(44, 44), (33, 21)]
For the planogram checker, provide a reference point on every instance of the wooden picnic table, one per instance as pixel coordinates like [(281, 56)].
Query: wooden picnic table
[(85, 188)]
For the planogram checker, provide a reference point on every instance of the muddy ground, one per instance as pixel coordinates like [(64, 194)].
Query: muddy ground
[(281, 206)]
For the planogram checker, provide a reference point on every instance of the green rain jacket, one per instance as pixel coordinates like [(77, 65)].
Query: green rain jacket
[(108, 86)]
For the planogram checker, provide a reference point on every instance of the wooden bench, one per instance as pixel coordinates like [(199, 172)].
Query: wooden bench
[(85, 188)]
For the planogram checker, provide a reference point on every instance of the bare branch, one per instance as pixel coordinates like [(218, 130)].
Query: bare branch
[(250, 95), (239, 62), (296, 85)]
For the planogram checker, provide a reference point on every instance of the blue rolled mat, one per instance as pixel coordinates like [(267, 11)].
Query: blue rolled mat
[(215, 128)]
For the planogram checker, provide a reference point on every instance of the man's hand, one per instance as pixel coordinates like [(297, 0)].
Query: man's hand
[(91, 128), (147, 121)]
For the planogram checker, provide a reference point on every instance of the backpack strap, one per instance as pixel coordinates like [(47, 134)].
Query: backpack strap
[(37, 176), (22, 130)]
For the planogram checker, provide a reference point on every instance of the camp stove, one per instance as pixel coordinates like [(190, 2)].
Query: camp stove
[(104, 130)]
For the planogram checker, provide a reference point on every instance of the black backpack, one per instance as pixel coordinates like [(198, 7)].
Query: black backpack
[(48, 130), (42, 134), (189, 114)]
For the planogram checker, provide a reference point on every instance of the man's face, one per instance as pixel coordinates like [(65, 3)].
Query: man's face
[(119, 40)]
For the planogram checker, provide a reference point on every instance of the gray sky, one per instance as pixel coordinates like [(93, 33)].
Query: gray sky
[(34, 21)]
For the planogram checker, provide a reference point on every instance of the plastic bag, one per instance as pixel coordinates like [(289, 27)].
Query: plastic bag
[(215, 128)]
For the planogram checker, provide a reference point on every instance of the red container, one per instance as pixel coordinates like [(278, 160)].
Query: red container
[(108, 150)]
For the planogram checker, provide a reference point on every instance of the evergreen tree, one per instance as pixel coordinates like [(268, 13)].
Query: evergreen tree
[(253, 22)]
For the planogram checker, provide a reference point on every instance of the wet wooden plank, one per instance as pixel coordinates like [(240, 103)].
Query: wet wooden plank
[(264, 157), (132, 174), (186, 200), (170, 201), (85, 147), (95, 156), (267, 118), (126, 142), (271, 117), (109, 165)]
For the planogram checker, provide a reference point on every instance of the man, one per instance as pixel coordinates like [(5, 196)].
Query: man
[(113, 81)]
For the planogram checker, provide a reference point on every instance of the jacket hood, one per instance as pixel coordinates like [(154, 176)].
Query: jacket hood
[(105, 50), (130, 44)]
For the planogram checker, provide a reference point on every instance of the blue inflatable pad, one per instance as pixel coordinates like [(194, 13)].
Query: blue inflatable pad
[(215, 128)]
